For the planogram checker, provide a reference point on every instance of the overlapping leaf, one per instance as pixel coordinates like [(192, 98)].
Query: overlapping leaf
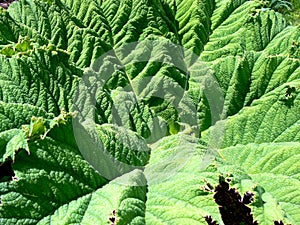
[(151, 89), (273, 172)]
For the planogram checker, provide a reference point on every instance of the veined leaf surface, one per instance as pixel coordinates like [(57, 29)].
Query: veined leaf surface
[(168, 95)]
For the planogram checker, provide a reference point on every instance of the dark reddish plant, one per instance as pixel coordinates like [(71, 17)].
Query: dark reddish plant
[(5, 3), (232, 206)]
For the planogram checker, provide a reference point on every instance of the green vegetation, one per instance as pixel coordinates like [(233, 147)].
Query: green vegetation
[(295, 13), (126, 111)]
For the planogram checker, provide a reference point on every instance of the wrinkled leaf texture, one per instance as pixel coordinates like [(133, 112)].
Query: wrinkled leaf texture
[(254, 55)]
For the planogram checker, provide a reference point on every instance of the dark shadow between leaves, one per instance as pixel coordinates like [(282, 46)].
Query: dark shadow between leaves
[(233, 208)]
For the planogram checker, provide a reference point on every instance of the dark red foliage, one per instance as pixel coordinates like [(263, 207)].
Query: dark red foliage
[(232, 206), (113, 218), (210, 221), (5, 3), (248, 198), (6, 171), (279, 223)]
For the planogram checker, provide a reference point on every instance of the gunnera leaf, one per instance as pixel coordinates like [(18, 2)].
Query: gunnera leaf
[(173, 92)]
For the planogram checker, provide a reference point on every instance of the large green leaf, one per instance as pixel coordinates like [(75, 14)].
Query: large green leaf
[(274, 170), (169, 94), (67, 180), (14, 115), (44, 79)]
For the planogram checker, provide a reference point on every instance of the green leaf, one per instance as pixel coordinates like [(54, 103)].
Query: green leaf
[(176, 182), (272, 118), (130, 109), (14, 115), (194, 24), (61, 181), (275, 168), (12, 141), (44, 79), (22, 47)]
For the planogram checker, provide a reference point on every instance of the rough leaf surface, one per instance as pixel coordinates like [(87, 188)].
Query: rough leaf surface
[(142, 112)]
